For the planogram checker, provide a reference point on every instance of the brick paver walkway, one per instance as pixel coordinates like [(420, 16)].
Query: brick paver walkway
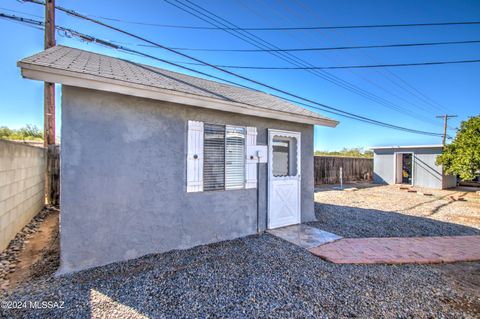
[(400, 250)]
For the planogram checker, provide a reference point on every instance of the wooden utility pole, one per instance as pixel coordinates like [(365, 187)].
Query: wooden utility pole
[(49, 103), (445, 120), (49, 91)]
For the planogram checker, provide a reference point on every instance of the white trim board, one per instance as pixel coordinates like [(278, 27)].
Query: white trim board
[(404, 147)]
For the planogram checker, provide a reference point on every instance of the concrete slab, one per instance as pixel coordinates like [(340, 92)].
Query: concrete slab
[(401, 250), (304, 236)]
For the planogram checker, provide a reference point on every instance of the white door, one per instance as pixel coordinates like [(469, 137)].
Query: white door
[(284, 176)]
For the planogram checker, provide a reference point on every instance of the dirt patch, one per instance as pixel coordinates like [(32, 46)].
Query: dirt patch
[(40, 255), (36, 254)]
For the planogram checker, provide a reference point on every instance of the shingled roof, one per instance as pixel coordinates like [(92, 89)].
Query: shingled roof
[(75, 67)]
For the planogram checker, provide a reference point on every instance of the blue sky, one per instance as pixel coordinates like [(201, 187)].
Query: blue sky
[(452, 88)]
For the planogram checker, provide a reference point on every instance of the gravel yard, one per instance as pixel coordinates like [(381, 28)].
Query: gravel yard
[(257, 276), (386, 211), (263, 276)]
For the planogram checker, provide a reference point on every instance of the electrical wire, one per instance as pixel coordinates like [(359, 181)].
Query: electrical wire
[(290, 58), (277, 17), (387, 73), (316, 105), (250, 67), (408, 25), (398, 45), (315, 71)]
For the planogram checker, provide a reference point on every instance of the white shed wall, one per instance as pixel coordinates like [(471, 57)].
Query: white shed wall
[(425, 172)]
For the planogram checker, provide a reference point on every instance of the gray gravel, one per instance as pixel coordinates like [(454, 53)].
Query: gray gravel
[(386, 211), (257, 276), (263, 276), (356, 222)]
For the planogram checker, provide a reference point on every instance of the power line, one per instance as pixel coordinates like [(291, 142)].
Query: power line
[(22, 12), (338, 67), (318, 105), (278, 18), (372, 26), (288, 57), (329, 77), (150, 42), (325, 48), (84, 37), (389, 74), (343, 83), (88, 38)]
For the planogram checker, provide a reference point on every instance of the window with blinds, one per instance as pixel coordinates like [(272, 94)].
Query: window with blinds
[(224, 157), (214, 157), (234, 157)]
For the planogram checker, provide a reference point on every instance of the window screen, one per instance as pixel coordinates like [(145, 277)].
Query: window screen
[(234, 157), (214, 157)]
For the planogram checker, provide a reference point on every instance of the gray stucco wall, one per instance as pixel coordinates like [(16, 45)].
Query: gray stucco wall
[(123, 172), (425, 172)]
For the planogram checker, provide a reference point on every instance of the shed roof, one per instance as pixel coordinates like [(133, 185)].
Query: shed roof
[(75, 67), (406, 146)]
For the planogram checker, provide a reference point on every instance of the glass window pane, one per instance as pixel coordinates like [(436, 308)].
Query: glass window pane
[(214, 157), (235, 157), (284, 161)]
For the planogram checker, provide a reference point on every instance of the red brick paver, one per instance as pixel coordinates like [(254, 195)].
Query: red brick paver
[(400, 250)]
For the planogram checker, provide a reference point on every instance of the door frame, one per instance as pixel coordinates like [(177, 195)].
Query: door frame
[(395, 154), (270, 178)]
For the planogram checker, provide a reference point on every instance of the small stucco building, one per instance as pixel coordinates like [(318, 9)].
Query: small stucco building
[(154, 160), (410, 165)]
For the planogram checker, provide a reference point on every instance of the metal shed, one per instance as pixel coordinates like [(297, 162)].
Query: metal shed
[(410, 165)]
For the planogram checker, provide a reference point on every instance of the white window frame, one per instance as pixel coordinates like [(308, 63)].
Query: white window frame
[(250, 160)]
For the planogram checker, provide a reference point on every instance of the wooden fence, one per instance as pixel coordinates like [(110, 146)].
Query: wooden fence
[(327, 169), (53, 173)]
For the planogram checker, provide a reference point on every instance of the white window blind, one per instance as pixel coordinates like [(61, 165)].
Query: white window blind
[(214, 157), (234, 157)]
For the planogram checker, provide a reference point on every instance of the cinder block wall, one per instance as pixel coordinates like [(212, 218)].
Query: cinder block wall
[(22, 170)]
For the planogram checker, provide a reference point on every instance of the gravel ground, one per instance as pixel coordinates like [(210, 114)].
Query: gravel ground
[(263, 276), (256, 276), (386, 211)]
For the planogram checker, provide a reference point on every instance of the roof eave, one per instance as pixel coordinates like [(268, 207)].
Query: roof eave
[(405, 147), (54, 75)]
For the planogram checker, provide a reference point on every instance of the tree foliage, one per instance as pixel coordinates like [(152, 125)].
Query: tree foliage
[(347, 152), (462, 156), (28, 132)]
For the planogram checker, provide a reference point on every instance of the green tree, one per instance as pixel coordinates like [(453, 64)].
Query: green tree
[(5, 132), (350, 152), (31, 131), (462, 156), (28, 132)]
